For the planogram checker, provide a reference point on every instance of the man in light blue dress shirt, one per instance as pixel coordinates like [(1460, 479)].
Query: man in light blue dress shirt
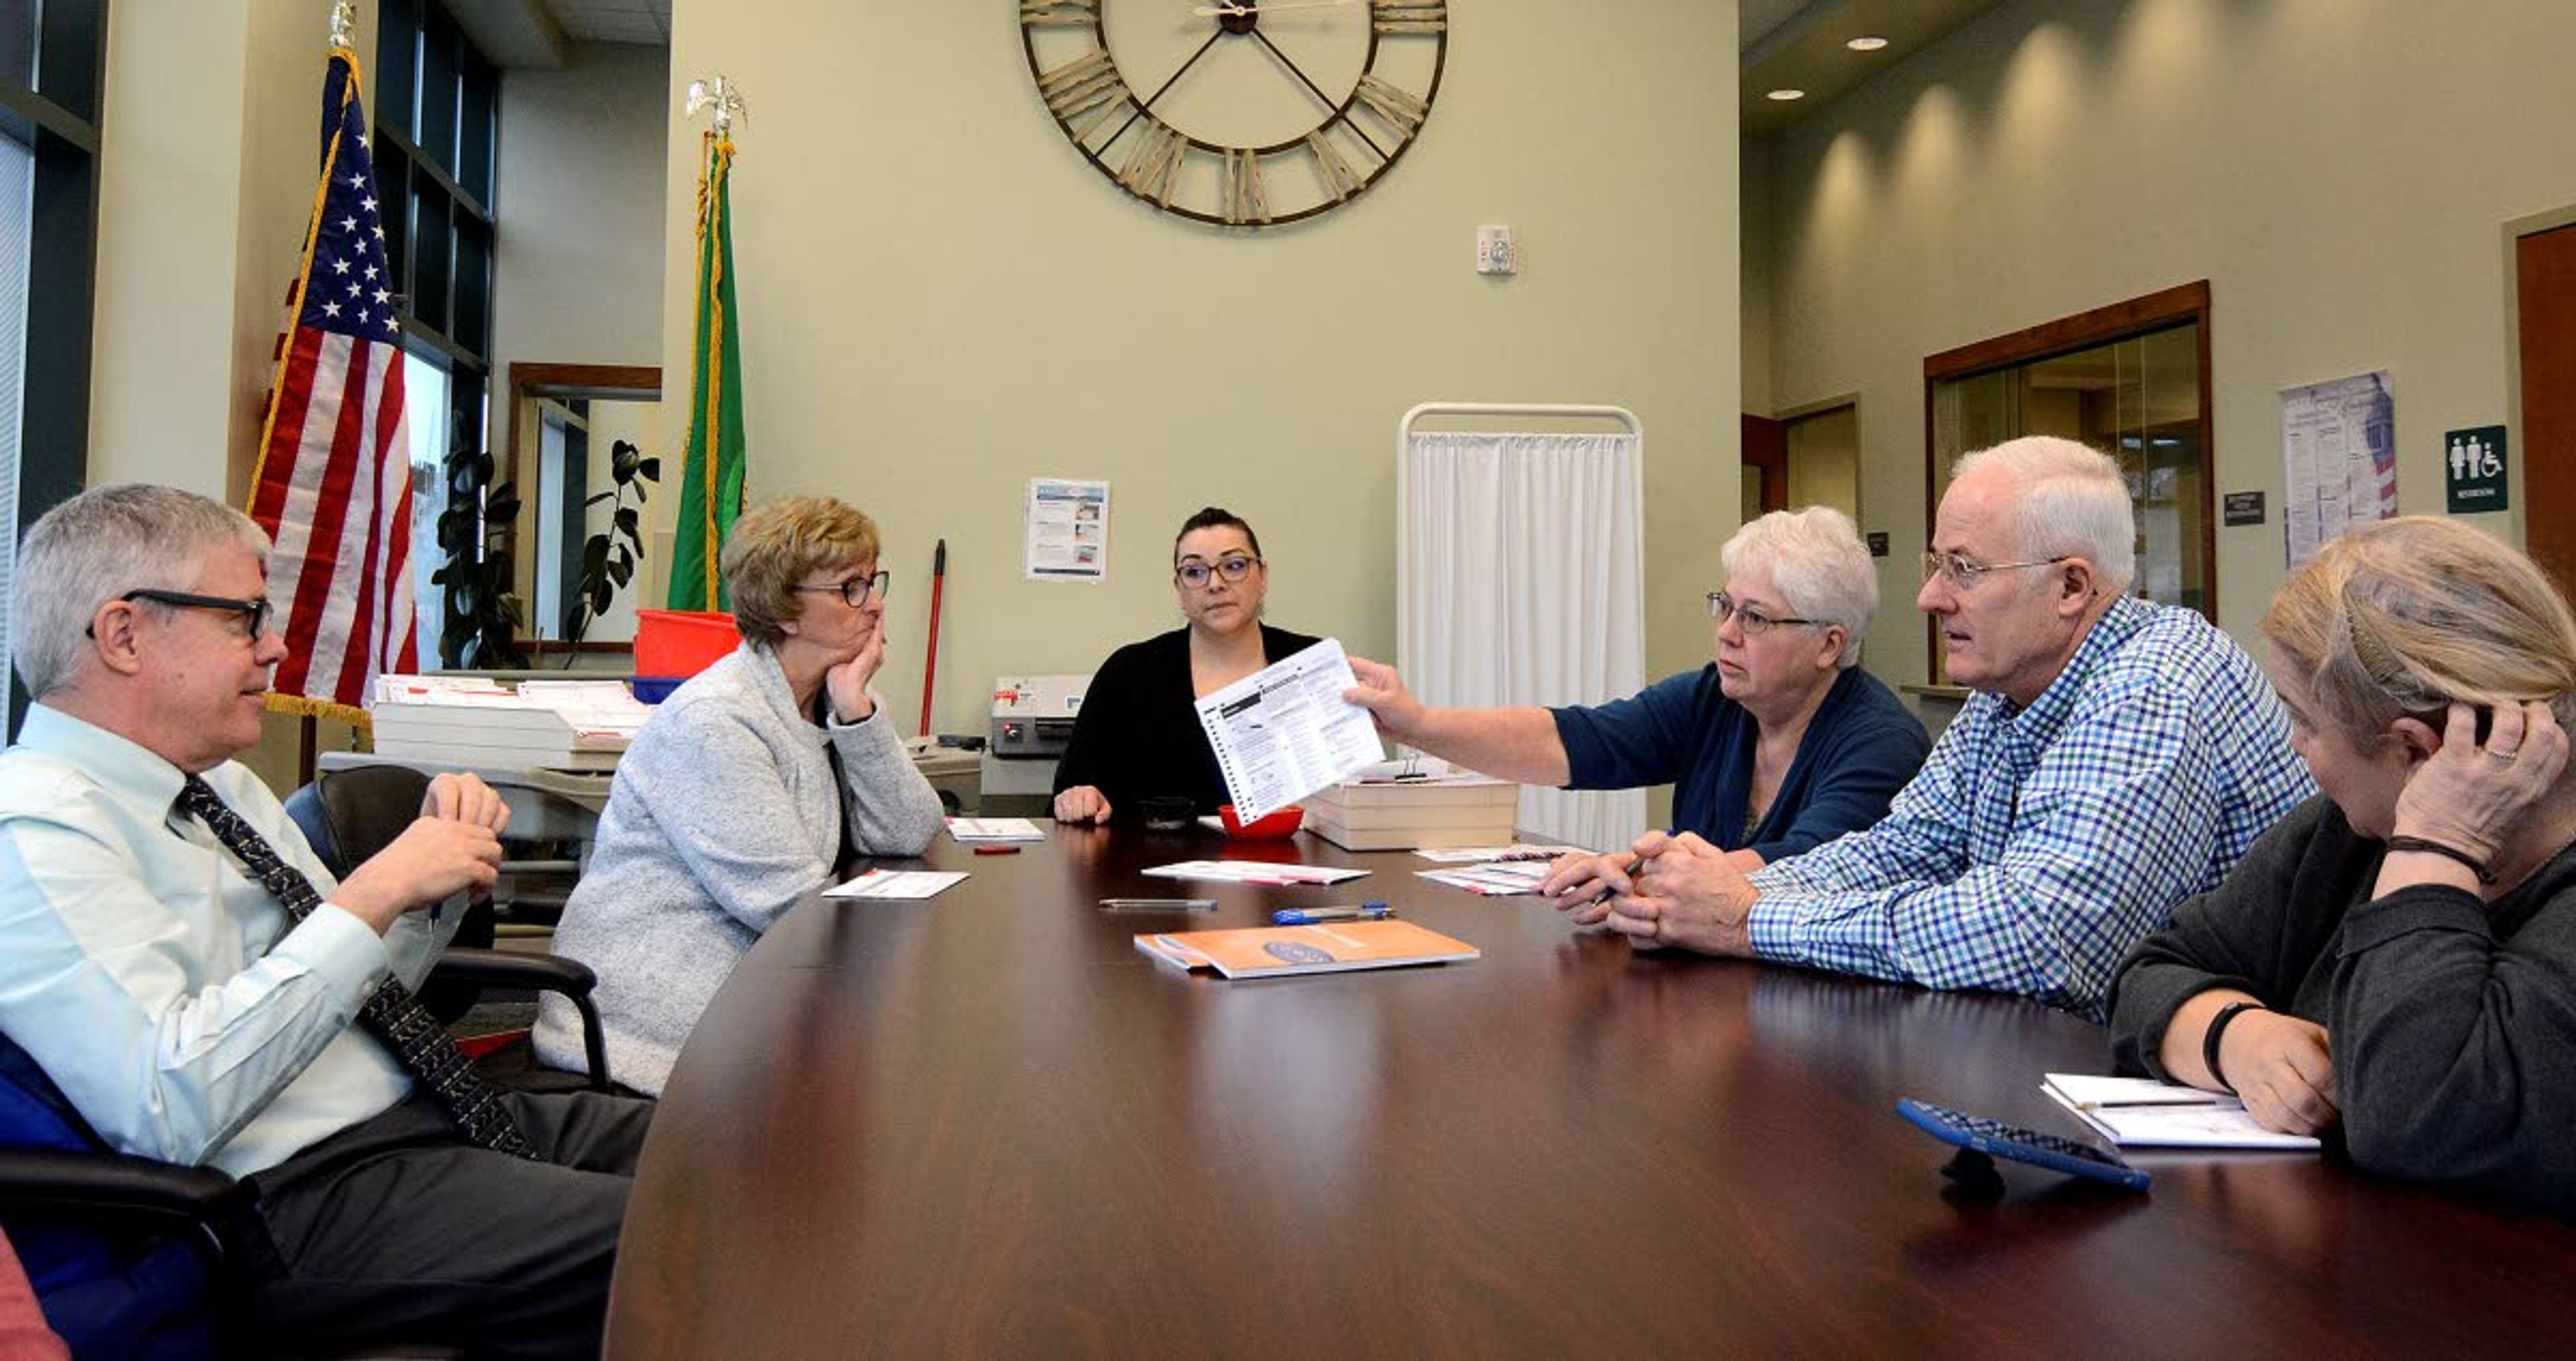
[(2117, 758), (188, 1015)]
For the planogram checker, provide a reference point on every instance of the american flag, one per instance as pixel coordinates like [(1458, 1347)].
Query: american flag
[(334, 482)]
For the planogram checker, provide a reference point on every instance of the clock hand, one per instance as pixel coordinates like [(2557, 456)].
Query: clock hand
[(1228, 9), (1299, 72)]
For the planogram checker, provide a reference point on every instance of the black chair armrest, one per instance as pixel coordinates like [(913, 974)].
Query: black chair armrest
[(515, 969), (91, 1186), (544, 973)]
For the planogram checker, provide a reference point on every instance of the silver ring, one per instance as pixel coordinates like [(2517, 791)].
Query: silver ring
[(2504, 757)]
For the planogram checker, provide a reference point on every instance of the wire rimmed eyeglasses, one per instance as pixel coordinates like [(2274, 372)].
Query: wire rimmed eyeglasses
[(1963, 573), (255, 613), (1233, 567), (854, 592), (1747, 618)]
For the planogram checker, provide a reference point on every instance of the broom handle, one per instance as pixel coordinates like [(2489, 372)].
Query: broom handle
[(930, 661)]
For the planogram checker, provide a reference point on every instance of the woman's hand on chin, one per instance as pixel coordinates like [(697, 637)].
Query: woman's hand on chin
[(846, 684)]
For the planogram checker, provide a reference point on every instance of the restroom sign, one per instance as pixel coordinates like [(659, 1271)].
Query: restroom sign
[(2473, 464)]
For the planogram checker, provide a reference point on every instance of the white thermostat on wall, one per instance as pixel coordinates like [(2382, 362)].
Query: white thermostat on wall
[(1495, 253)]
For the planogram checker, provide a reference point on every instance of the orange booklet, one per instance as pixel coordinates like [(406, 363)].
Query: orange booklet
[(1328, 947)]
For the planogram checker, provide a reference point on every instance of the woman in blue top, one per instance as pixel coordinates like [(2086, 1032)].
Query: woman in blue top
[(1779, 744)]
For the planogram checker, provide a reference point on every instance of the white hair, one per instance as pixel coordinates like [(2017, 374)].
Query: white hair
[(2069, 500), (1817, 560), (101, 544)]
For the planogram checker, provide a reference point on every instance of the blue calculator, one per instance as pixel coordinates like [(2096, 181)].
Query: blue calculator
[(1995, 1139)]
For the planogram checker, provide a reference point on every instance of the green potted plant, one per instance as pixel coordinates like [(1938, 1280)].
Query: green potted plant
[(482, 613), (608, 557)]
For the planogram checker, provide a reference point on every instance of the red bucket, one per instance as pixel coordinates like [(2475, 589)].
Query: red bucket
[(681, 643)]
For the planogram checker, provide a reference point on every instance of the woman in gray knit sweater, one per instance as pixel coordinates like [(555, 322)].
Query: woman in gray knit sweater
[(743, 792)]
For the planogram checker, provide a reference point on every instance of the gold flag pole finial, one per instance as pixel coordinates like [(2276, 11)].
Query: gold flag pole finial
[(725, 99), (344, 25)]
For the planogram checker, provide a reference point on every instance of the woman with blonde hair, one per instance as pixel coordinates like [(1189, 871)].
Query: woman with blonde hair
[(2397, 957), (744, 792)]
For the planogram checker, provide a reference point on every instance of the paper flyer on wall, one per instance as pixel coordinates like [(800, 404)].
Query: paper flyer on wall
[(2339, 454), (1068, 530), (1285, 731)]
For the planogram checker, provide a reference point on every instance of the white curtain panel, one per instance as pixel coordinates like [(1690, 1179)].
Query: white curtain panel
[(1522, 582)]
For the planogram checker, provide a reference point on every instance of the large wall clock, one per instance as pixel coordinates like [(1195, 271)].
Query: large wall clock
[(1243, 113)]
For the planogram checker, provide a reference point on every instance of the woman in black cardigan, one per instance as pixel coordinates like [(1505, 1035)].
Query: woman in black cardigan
[(1138, 735)]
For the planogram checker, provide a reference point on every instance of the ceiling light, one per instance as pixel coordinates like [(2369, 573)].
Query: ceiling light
[(1870, 42), (1784, 96)]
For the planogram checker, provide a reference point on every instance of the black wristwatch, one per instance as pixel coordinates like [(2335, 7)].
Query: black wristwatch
[(2218, 1027)]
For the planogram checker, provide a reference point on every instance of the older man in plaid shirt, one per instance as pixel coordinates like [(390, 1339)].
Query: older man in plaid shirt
[(2118, 757)]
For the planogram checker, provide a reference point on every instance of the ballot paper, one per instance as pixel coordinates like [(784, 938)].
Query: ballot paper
[(989, 831), (1495, 879), (1255, 872), (1285, 731), (897, 884)]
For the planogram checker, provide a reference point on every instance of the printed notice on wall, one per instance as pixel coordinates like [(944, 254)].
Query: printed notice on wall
[(1068, 530), (2339, 447)]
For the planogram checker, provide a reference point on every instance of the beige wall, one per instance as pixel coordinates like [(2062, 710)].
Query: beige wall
[(2340, 172), (940, 300)]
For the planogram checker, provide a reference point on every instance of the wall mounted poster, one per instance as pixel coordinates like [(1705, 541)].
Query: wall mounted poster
[(1068, 528), (2339, 450)]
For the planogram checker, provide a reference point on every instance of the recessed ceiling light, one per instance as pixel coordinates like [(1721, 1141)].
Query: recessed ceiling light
[(1784, 96), (1866, 43)]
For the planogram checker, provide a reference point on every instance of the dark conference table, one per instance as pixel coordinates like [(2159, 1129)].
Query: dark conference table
[(985, 1124)]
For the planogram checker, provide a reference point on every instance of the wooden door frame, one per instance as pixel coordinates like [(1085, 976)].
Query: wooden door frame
[(2510, 242)]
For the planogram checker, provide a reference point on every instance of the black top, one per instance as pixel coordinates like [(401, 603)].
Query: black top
[(1138, 734), (2452, 1021)]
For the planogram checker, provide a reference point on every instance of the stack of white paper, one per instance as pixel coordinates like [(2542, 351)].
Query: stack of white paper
[(2144, 1113)]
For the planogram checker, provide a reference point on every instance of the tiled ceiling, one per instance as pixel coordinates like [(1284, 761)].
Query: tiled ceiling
[(613, 21)]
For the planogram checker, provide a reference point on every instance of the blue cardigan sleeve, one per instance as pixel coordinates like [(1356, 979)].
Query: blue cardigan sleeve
[(1641, 740)]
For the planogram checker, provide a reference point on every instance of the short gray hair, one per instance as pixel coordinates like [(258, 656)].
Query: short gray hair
[(125, 536), (1819, 563), (2073, 501)]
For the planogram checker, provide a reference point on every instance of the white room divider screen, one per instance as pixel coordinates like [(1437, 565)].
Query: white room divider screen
[(1521, 578)]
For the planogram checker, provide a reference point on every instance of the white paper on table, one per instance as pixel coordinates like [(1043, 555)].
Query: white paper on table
[(1486, 855), (1500, 880), (1285, 731), (1254, 872), (898, 884), (981, 831)]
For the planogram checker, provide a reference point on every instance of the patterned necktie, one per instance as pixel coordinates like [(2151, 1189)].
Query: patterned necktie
[(393, 1014)]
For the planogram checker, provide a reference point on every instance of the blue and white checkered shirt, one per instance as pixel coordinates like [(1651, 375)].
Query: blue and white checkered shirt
[(2037, 846)]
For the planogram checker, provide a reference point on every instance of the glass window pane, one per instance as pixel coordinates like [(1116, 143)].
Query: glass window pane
[(18, 41), (425, 417), (17, 182)]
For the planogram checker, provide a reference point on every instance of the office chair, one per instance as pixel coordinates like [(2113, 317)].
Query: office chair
[(350, 815)]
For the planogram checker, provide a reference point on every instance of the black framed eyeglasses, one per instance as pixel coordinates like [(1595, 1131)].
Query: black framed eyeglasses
[(255, 613), (1962, 573), (855, 592), (1751, 620), (1234, 567)]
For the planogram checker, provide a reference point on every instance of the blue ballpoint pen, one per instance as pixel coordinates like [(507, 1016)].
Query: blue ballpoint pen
[(1371, 910)]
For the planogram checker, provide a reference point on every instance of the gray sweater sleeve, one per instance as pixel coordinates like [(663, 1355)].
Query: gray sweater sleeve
[(891, 807), (2455, 1044)]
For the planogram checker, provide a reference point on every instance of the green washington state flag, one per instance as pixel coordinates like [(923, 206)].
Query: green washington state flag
[(711, 486)]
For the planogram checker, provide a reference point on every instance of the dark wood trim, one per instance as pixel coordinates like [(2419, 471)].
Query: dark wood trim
[(531, 379), (2082, 331), (1766, 450)]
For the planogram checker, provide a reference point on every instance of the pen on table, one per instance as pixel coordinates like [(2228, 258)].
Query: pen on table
[(997, 850), (1372, 910)]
